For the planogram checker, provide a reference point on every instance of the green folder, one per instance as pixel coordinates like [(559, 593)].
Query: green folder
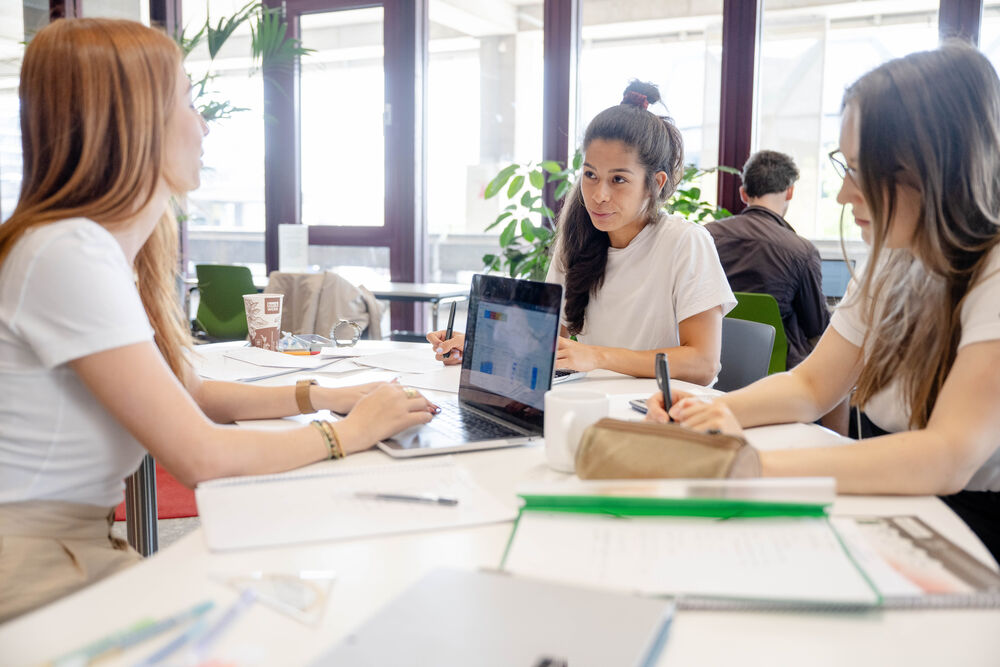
[(722, 508)]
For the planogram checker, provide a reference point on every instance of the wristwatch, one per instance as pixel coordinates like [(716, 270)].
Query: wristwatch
[(345, 333), (302, 398)]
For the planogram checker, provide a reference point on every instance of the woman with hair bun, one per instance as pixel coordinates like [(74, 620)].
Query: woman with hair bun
[(636, 280)]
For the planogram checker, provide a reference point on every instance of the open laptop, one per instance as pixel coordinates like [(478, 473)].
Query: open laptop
[(836, 274), (510, 345)]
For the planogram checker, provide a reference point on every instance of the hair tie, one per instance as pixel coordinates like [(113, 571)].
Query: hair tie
[(636, 99)]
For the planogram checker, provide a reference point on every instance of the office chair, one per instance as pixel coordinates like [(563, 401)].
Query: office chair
[(746, 350), (764, 308), (221, 314)]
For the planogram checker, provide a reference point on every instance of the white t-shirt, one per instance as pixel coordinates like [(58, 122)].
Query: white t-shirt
[(980, 321), (66, 291), (667, 273)]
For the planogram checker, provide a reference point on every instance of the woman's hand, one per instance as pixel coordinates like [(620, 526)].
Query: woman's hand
[(343, 399), (577, 356), (382, 413), (701, 413), (455, 345)]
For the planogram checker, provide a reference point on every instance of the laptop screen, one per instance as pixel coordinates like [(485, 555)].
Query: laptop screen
[(510, 347), (836, 275)]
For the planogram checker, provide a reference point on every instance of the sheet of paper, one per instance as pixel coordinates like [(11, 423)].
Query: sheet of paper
[(271, 359), (444, 379), (319, 503), (778, 560), (403, 361)]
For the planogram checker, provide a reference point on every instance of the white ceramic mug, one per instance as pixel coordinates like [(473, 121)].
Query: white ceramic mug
[(567, 414)]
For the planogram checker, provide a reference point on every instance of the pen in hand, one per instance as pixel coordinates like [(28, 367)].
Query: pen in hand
[(663, 381), (451, 326), (428, 498)]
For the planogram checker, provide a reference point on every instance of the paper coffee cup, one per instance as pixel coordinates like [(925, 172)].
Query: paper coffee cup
[(263, 319)]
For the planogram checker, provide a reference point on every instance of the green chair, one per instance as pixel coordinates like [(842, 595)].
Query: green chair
[(764, 308), (221, 314)]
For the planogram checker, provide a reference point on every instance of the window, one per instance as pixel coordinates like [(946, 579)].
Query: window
[(343, 99), (18, 23), (677, 46), (226, 214), (989, 40), (484, 110), (809, 53), (134, 10)]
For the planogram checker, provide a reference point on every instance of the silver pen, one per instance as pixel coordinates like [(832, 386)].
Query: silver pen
[(429, 498)]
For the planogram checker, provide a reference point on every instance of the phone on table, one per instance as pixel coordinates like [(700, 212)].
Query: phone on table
[(663, 381)]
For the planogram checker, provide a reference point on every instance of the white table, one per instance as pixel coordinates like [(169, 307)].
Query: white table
[(372, 571)]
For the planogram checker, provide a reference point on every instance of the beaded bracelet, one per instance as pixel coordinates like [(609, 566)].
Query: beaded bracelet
[(333, 447)]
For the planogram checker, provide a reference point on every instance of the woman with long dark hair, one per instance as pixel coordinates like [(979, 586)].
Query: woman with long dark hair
[(918, 335), (93, 354), (636, 281)]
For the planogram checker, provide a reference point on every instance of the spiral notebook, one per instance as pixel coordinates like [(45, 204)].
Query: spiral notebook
[(765, 562), (321, 502)]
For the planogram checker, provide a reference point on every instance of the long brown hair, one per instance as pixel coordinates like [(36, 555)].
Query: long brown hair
[(96, 95), (583, 249), (930, 121)]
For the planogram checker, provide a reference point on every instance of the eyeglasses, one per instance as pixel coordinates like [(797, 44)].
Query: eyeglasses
[(840, 166)]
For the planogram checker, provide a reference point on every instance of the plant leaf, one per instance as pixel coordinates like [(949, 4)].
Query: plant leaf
[(507, 235), (537, 179), (218, 35), (577, 160), (527, 230), (561, 190), (499, 181), (515, 186), (500, 218), (551, 166)]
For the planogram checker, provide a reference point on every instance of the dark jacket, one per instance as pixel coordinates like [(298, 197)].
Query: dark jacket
[(761, 253)]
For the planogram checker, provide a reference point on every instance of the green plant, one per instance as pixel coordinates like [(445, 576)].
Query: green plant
[(269, 43), (529, 225)]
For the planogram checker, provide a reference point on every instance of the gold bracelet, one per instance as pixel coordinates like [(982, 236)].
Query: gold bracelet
[(318, 425), (338, 449)]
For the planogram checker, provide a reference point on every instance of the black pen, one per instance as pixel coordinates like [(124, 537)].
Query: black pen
[(663, 381), (451, 325)]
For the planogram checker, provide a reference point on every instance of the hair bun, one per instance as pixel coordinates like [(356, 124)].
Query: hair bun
[(640, 94)]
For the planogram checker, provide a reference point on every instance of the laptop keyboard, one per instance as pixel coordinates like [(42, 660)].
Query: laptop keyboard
[(461, 424), (563, 372)]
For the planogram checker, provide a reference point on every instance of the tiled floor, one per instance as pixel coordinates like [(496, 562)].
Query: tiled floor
[(170, 530)]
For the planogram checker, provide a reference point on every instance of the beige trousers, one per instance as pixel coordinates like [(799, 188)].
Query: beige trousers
[(50, 548)]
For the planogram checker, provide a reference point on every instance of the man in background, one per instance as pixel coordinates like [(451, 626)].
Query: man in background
[(761, 252)]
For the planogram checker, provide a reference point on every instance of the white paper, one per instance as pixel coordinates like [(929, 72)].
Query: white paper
[(445, 379), (769, 559), (403, 361), (318, 503), (271, 359), (293, 248)]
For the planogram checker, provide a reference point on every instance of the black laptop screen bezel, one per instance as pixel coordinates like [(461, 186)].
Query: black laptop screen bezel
[(546, 297)]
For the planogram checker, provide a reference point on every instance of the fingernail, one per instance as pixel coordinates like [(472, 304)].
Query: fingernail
[(439, 349), (436, 408)]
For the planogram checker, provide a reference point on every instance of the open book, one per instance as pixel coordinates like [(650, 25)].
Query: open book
[(744, 559), (327, 501)]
